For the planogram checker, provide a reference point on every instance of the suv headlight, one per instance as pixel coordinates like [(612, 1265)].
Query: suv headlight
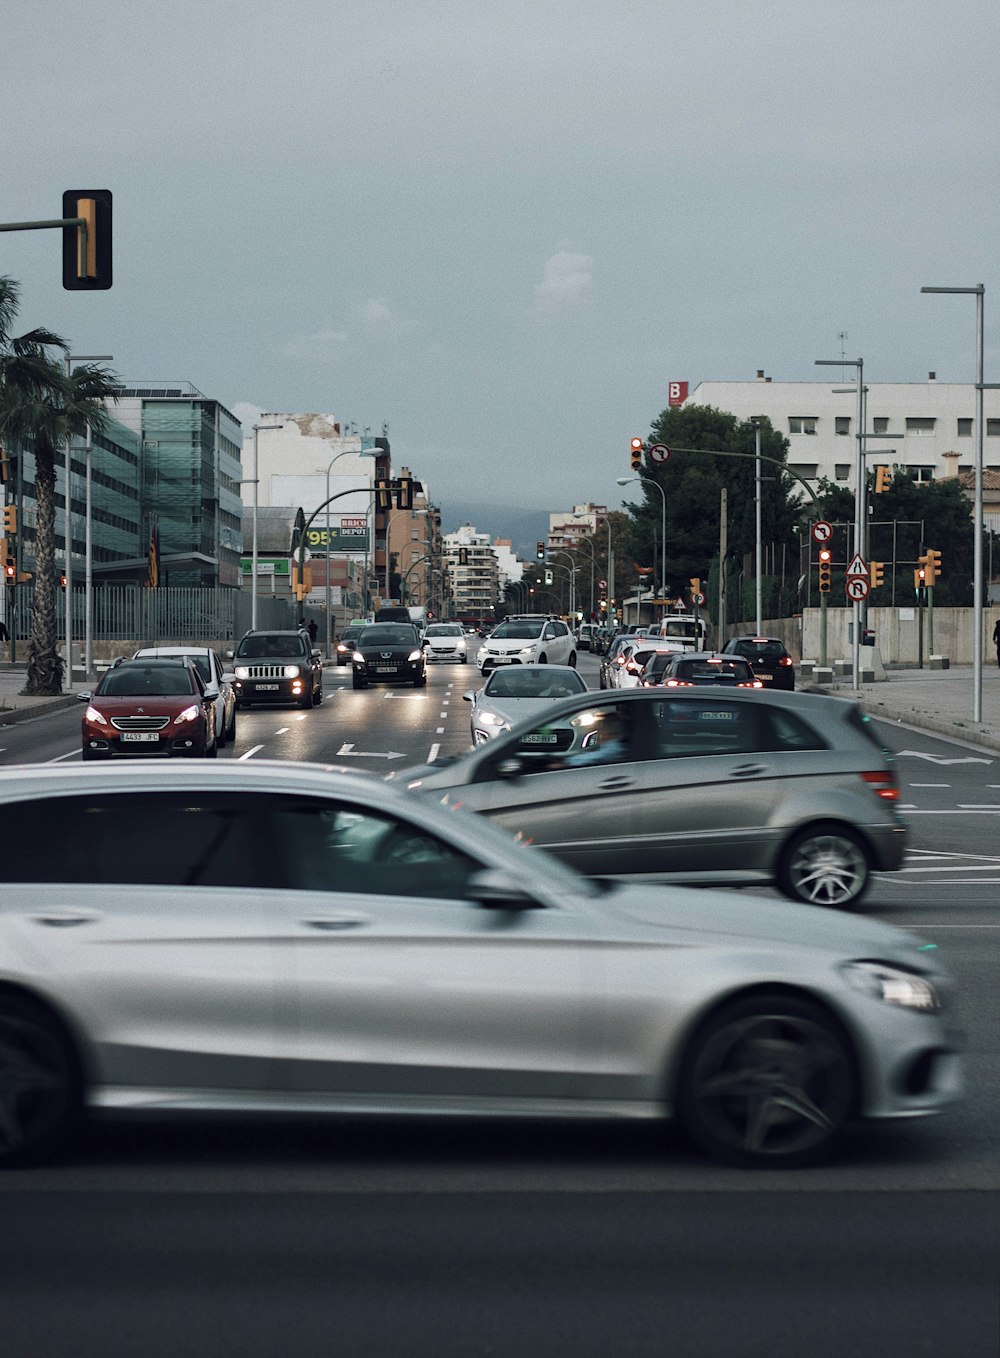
[(893, 985), (291, 671), (242, 671), (528, 650)]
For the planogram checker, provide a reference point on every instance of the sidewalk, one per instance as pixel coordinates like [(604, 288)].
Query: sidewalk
[(939, 701)]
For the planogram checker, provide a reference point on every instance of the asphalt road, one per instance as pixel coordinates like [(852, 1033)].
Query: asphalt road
[(365, 1238)]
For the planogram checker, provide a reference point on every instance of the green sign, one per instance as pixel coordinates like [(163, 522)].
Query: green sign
[(266, 565)]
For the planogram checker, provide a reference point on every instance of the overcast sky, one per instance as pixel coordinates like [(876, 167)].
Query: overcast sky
[(502, 228)]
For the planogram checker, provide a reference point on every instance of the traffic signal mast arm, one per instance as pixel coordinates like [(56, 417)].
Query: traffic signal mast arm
[(776, 462)]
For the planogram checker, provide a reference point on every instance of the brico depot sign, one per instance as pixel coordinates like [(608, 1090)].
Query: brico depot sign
[(348, 533), (677, 393)]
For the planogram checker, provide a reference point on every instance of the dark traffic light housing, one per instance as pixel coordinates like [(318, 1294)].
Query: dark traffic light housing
[(87, 252), (540, 551), (637, 446), (824, 570)]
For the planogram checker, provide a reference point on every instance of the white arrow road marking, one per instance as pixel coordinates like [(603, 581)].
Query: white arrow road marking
[(349, 752), (939, 759)]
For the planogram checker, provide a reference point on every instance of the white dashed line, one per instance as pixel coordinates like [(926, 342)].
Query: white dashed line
[(282, 730), (439, 731), (435, 750), (249, 753)]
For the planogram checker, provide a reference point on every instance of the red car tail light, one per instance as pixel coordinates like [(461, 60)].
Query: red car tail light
[(785, 660), (757, 683), (678, 683), (883, 784)]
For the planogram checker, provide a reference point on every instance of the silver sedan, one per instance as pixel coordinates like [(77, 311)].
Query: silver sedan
[(518, 694), (263, 936)]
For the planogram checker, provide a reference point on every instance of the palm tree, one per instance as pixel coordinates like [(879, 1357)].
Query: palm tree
[(40, 405)]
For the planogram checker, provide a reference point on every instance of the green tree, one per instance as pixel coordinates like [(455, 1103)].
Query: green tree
[(40, 407), (692, 482)]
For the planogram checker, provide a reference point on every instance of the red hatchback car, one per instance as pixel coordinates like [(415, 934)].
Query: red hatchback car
[(149, 707)]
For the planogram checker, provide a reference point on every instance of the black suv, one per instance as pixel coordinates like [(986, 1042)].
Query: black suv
[(278, 667)]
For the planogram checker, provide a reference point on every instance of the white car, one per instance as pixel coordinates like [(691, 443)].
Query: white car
[(210, 668), (446, 641), (514, 693), (528, 640)]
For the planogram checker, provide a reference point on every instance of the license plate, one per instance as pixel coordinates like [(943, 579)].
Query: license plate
[(140, 737), (270, 688), (539, 738), (500, 659), (761, 675), (386, 669)]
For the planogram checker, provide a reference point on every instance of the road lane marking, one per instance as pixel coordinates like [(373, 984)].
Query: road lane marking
[(252, 751), (60, 757), (439, 731), (960, 811), (928, 785), (347, 751), (282, 730), (940, 759), (983, 867), (434, 752)]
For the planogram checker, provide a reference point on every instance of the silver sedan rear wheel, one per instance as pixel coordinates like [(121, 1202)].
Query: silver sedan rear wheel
[(768, 1081), (40, 1094), (824, 866)]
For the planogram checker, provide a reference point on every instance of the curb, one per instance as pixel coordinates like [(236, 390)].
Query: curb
[(38, 707), (971, 735)]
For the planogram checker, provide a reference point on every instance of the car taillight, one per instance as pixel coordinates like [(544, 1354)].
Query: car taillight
[(678, 683), (883, 784), (632, 666), (785, 660), (747, 684)]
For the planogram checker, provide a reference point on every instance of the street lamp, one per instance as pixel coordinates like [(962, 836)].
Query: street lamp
[(69, 360), (414, 513), (256, 489), (648, 481), (977, 510), (860, 497), (348, 452)]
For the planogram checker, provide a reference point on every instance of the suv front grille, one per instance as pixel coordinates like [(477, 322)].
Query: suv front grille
[(139, 723), (266, 672)]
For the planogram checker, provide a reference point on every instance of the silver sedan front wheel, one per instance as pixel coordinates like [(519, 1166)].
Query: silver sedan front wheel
[(824, 866)]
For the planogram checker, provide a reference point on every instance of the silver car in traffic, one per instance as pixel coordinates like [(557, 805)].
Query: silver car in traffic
[(262, 937), (517, 693), (701, 785)]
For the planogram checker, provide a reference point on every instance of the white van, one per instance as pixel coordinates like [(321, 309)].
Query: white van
[(681, 632)]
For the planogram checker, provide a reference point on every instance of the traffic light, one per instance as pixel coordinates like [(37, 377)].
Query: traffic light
[(919, 578), (4, 467), (883, 479), (10, 519), (9, 570), (383, 496), (695, 583), (549, 577), (87, 255), (540, 551), (62, 581), (876, 570), (824, 570), (301, 587), (405, 488), (637, 446), (931, 561)]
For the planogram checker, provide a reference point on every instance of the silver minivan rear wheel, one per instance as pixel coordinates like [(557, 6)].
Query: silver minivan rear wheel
[(824, 865)]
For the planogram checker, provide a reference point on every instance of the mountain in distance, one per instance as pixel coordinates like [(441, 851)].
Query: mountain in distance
[(524, 527)]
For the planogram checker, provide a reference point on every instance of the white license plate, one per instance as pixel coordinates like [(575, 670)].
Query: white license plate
[(140, 737), (386, 669), (500, 659), (761, 675), (271, 688), (540, 739)]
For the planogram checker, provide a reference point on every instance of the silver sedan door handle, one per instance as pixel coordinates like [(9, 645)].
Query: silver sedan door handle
[(62, 919), (340, 920), (748, 770)]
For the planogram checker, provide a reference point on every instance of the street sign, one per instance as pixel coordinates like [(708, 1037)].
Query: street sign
[(856, 589), (857, 568), (822, 531), (698, 598), (602, 584), (658, 452)]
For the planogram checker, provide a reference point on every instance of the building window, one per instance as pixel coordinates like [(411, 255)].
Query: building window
[(993, 427), (880, 424), (807, 470), (965, 429), (842, 471), (922, 475), (919, 424), (842, 424), (802, 424)]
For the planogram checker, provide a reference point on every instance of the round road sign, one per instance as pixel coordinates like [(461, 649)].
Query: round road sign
[(698, 598), (856, 589), (658, 452), (822, 531)]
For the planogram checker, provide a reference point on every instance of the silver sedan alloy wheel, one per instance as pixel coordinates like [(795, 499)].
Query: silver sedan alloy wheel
[(824, 867)]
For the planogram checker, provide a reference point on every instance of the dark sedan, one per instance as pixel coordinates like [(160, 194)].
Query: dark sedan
[(769, 657), (389, 652)]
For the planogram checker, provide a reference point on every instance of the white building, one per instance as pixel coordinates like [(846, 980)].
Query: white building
[(568, 525), (296, 460), (509, 566), (473, 572), (931, 423)]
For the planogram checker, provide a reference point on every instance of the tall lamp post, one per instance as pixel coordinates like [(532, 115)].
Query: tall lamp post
[(348, 452), (649, 481), (69, 360), (860, 495), (256, 500), (977, 510)]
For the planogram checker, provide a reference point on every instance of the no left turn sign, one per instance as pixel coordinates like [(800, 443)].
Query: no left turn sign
[(658, 452), (822, 531)]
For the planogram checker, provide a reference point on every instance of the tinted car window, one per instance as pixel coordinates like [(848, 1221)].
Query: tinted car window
[(716, 671), (701, 728), (274, 646), (325, 846), (782, 731), (760, 650), (387, 636), (163, 681), (514, 631), (153, 838)]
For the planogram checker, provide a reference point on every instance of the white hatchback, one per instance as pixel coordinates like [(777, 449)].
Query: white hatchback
[(530, 640)]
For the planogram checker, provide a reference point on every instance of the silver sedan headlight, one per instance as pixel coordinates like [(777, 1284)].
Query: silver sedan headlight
[(893, 985), (491, 719)]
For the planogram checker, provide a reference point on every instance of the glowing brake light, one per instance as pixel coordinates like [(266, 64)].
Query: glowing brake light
[(785, 660), (678, 683), (745, 683), (883, 784)]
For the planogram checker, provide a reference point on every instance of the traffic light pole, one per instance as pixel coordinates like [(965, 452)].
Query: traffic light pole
[(822, 631)]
